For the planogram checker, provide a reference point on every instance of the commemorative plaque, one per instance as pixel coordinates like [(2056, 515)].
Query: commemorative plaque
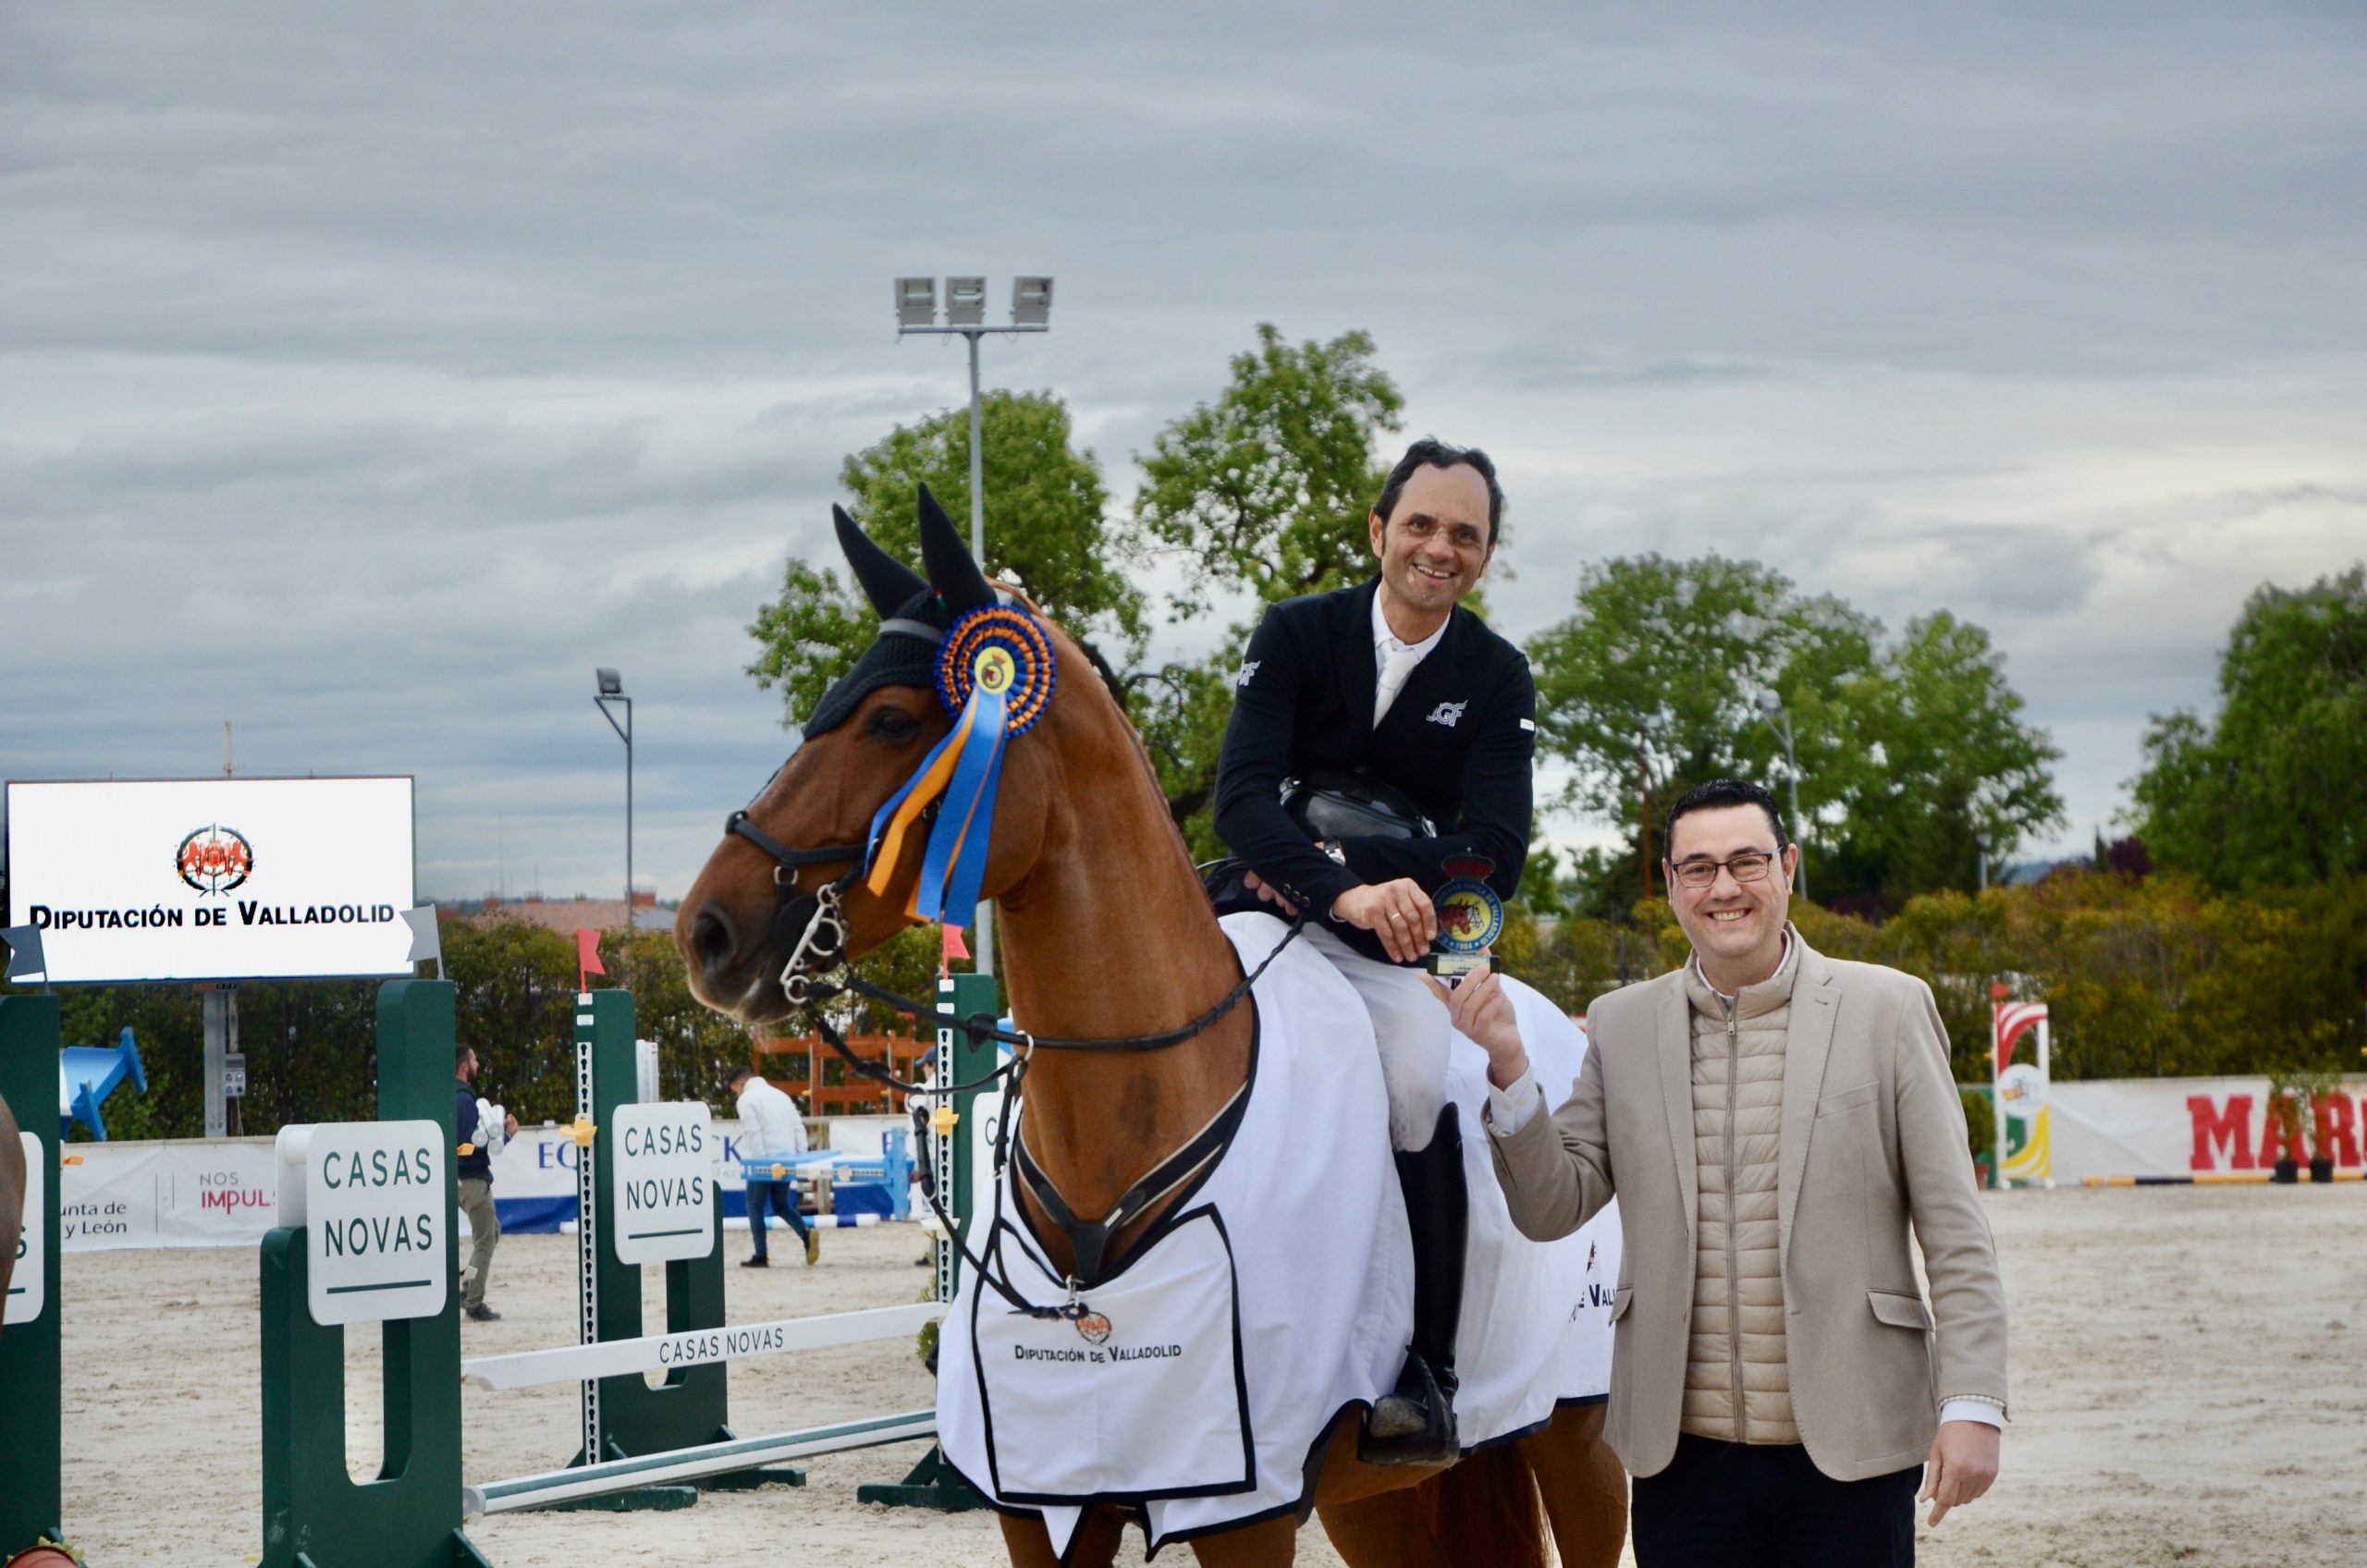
[(1470, 919)]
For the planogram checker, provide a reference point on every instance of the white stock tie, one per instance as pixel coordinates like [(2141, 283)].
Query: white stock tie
[(1398, 663)]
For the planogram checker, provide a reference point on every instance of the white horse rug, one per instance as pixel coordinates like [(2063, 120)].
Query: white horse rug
[(1199, 1380)]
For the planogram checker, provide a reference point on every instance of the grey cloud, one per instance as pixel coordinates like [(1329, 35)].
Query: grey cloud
[(370, 379)]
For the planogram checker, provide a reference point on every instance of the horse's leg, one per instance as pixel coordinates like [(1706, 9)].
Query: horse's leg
[(1383, 1530), (1270, 1545), (1030, 1544), (1584, 1488)]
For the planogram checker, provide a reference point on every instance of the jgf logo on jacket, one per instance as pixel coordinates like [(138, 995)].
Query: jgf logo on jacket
[(1447, 713)]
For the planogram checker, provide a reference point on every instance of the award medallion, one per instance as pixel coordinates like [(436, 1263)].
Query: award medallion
[(1470, 918)]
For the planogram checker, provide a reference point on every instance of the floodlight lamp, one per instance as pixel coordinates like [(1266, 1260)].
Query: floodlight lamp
[(1770, 704), (916, 301), (610, 684), (966, 301), (1031, 302)]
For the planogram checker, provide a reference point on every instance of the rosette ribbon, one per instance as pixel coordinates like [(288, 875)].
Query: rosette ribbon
[(995, 675)]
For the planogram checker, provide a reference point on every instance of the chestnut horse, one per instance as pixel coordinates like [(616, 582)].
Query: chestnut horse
[(12, 1195), (1090, 874)]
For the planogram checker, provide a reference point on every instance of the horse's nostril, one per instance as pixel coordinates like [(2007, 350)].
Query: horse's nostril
[(712, 937)]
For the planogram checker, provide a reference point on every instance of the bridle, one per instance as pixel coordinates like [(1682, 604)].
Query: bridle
[(817, 973)]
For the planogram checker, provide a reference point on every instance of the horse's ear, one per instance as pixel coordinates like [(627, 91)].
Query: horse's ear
[(888, 582), (952, 572)]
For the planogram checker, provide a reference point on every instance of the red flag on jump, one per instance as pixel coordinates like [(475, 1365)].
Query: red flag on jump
[(951, 948), (587, 957)]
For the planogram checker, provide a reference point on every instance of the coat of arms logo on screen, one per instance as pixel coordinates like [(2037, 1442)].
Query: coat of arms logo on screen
[(214, 859)]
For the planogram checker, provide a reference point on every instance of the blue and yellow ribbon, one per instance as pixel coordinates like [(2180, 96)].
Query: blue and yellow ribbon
[(995, 675)]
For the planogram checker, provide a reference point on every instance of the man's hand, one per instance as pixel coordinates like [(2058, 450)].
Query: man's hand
[(1250, 881), (1963, 1463), (1398, 912), (508, 1126), (1483, 1015)]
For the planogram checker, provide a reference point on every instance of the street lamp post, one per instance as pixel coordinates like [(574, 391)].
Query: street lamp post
[(965, 315), (612, 690), (1771, 708)]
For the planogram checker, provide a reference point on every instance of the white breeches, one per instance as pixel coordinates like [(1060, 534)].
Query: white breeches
[(1411, 1028)]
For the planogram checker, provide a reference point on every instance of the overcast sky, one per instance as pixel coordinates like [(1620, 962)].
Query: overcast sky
[(368, 375)]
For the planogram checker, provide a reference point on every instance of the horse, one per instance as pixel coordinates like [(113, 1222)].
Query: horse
[(1089, 871), (13, 1216)]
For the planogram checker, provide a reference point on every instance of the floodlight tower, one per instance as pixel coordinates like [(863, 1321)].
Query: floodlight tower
[(966, 314), (612, 690)]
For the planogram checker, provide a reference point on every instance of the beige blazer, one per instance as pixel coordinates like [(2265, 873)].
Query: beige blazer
[(1872, 1141)]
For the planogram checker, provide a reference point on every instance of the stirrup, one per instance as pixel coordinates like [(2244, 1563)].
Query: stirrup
[(1414, 1423)]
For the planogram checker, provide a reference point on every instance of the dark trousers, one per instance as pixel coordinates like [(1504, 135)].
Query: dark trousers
[(782, 1198), (1766, 1505)]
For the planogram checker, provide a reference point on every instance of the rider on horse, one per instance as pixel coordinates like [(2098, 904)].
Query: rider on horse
[(1387, 702)]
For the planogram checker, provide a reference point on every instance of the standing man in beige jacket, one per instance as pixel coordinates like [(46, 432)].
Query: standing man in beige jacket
[(1773, 1122)]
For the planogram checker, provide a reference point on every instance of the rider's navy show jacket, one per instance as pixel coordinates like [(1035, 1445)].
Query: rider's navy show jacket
[(1459, 738)]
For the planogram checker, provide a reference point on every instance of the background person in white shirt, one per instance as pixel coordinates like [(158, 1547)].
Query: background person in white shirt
[(770, 1128)]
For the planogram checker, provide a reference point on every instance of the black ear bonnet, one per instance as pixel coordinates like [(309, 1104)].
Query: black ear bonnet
[(904, 654)]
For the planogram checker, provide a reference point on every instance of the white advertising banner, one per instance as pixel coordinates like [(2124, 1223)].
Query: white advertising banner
[(28, 1283), (214, 879), (2193, 1126), (224, 1193), (193, 1192), (662, 1182)]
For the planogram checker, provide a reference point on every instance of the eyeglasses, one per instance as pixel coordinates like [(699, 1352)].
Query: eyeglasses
[(1751, 865)]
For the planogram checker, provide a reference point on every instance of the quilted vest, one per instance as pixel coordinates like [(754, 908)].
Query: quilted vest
[(1737, 1387)]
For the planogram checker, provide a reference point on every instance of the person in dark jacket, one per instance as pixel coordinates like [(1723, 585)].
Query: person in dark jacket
[(1395, 683), (480, 1140)]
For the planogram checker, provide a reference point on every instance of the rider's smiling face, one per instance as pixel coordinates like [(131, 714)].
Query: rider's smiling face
[(1433, 545)]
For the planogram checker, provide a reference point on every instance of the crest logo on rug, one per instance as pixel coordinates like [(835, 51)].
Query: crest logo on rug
[(1094, 1328)]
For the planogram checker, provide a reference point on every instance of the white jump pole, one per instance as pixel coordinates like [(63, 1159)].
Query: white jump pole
[(697, 1347), (686, 1465)]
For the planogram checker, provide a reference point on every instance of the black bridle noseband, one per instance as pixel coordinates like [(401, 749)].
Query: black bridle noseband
[(817, 973)]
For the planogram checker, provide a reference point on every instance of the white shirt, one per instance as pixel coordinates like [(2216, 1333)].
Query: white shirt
[(1394, 661), (1508, 1109), (769, 1125)]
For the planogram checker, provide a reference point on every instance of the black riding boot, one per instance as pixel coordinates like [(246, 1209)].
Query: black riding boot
[(1414, 1425)]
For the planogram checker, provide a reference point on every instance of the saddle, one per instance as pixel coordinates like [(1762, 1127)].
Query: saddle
[(1327, 805)]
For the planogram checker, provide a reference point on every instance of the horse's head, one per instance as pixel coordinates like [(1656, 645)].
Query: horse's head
[(745, 915)]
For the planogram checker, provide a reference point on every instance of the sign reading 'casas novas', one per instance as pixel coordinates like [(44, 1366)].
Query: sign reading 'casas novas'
[(377, 1215), (661, 1187)]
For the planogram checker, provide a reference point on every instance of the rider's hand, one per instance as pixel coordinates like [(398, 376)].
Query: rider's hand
[(1249, 879), (1483, 1015), (1398, 912)]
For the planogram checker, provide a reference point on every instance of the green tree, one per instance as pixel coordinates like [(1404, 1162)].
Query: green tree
[(1046, 531), (1652, 685), (1906, 753), (1958, 768), (2273, 791), (1267, 487), (1182, 708)]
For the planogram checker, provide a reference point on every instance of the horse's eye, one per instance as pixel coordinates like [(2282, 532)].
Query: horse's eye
[(893, 724)]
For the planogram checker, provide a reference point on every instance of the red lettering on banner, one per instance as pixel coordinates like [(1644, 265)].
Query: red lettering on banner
[(2274, 1143), (2231, 1129), (2338, 1132)]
